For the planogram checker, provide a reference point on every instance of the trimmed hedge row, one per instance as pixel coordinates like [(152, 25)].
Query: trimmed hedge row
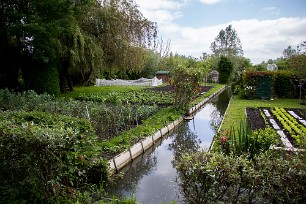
[(284, 84), (45, 156)]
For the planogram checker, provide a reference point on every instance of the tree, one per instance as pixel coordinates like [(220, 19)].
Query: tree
[(227, 43), (289, 52), (52, 45), (124, 35), (298, 64), (225, 69)]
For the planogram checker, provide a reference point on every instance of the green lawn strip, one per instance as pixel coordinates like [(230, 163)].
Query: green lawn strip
[(99, 89), (148, 127), (206, 94), (236, 110)]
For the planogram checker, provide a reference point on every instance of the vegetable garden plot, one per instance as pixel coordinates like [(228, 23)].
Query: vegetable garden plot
[(289, 123)]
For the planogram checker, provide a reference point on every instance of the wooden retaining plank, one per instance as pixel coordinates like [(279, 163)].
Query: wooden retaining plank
[(122, 159), (136, 150), (274, 124), (284, 139), (147, 143)]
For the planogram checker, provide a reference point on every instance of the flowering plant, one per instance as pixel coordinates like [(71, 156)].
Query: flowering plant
[(223, 142)]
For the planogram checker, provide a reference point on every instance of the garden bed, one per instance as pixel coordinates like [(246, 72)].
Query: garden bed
[(290, 121), (169, 88)]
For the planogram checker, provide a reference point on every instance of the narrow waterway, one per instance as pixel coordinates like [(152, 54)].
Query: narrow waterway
[(152, 178)]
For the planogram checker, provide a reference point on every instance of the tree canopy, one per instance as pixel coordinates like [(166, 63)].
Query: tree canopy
[(51, 45), (227, 43)]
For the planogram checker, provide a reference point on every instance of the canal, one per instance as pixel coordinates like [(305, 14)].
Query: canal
[(152, 177)]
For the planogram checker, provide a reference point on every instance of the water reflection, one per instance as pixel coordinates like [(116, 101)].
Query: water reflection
[(152, 178)]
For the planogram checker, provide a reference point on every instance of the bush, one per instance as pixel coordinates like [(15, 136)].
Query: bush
[(283, 85), (44, 156), (46, 80), (268, 178), (225, 69), (245, 141), (282, 82), (186, 83)]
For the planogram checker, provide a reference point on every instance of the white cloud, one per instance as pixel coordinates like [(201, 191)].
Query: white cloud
[(261, 39), (160, 4), (162, 12), (210, 1)]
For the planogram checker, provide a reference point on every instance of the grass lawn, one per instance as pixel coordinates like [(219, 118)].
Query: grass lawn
[(236, 109)]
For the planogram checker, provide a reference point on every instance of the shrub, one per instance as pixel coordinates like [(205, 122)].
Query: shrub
[(245, 141), (46, 79), (186, 83), (225, 69), (282, 82), (268, 178), (44, 156), (283, 85)]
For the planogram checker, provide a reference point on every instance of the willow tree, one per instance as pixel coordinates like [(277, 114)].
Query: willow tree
[(44, 41), (124, 34), (51, 45)]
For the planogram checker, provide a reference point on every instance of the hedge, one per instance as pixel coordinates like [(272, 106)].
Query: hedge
[(283, 84), (46, 156)]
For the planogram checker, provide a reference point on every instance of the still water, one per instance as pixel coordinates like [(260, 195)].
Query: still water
[(152, 178)]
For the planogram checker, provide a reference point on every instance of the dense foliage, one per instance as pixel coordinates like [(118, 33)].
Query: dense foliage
[(144, 96), (242, 168), (55, 148), (45, 156), (225, 69), (67, 42), (186, 83), (284, 83), (124, 114), (268, 178)]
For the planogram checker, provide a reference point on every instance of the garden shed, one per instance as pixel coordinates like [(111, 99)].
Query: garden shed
[(214, 76), (164, 75)]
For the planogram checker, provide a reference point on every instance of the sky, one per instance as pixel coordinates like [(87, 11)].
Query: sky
[(265, 27)]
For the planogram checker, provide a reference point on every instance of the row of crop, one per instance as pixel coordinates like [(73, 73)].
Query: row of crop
[(108, 120), (143, 96), (289, 123)]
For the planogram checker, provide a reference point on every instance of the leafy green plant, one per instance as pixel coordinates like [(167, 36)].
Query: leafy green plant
[(240, 138), (143, 96), (186, 83), (290, 124), (246, 141), (207, 177), (263, 139), (44, 156)]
